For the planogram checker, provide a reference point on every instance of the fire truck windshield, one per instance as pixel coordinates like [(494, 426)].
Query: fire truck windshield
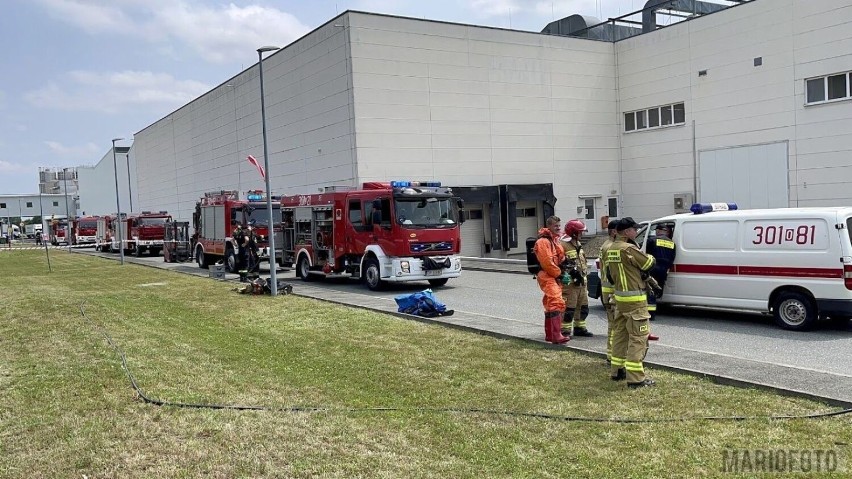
[(88, 224), (260, 215), (152, 221), (425, 212)]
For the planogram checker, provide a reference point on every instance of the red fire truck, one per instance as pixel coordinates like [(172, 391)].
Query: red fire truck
[(106, 239), (218, 213), (385, 232), (59, 231), (146, 232), (86, 230)]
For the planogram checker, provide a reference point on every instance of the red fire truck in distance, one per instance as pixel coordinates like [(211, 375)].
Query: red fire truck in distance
[(59, 230), (106, 237), (86, 230), (146, 231), (218, 213), (385, 232)]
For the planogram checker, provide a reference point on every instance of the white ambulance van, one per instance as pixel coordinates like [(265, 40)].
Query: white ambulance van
[(795, 263)]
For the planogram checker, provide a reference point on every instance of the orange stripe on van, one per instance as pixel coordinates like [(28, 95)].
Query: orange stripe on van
[(836, 273)]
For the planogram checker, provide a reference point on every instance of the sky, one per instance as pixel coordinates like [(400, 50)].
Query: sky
[(78, 73)]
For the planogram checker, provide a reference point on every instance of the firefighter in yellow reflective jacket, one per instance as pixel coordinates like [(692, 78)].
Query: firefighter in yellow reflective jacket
[(626, 265), (575, 291), (607, 289)]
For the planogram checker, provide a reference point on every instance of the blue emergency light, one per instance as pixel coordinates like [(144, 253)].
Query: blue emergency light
[(254, 197), (408, 184), (699, 208)]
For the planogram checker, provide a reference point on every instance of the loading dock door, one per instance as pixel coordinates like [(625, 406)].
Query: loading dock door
[(527, 213), (473, 232), (751, 176)]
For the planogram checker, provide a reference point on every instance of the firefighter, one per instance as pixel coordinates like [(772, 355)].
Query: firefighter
[(550, 256), (575, 293), (625, 264), (606, 287), (662, 248), (241, 240), (252, 249)]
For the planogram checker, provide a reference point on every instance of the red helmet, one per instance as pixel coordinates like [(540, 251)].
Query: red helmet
[(574, 227)]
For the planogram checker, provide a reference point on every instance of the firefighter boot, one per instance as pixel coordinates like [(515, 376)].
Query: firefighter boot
[(548, 329), (556, 337), (580, 326)]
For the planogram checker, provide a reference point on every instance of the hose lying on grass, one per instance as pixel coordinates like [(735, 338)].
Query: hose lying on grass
[(495, 412)]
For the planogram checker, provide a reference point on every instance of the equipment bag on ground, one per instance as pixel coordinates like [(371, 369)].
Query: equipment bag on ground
[(423, 304)]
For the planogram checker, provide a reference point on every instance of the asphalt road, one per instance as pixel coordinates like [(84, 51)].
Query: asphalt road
[(515, 297)]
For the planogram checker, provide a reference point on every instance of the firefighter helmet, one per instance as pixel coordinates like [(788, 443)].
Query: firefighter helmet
[(574, 227)]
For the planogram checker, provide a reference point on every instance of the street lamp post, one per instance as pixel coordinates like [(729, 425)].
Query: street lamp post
[(67, 215), (272, 264), (129, 190), (117, 202)]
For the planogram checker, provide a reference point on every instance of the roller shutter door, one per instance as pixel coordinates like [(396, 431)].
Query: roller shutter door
[(528, 224), (473, 231)]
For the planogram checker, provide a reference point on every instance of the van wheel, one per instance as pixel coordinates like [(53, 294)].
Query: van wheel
[(794, 311), (438, 282)]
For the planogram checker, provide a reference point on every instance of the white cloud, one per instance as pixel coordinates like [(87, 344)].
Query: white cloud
[(79, 151), (215, 33), (9, 167), (114, 91)]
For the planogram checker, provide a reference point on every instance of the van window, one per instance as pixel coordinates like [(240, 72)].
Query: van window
[(709, 235), (849, 228)]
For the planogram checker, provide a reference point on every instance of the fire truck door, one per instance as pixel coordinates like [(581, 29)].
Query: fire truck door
[(357, 231), (381, 223)]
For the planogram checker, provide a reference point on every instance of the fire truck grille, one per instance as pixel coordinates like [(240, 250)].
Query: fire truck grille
[(426, 247)]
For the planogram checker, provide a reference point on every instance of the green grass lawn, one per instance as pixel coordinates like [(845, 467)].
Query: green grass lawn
[(67, 409)]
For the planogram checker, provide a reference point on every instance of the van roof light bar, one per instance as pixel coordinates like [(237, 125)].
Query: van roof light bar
[(701, 208)]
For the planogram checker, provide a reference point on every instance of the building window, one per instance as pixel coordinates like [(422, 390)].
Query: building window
[(525, 212), (629, 121), (828, 88), (612, 207), (2, 205), (657, 117), (55, 203), (29, 204), (473, 214)]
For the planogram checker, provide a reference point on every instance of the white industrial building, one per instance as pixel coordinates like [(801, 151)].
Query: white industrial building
[(747, 104), (98, 184)]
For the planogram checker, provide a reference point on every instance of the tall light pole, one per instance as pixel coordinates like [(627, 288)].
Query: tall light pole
[(272, 277), (41, 231), (129, 190), (67, 215), (117, 202)]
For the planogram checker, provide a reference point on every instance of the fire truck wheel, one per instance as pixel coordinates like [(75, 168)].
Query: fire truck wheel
[(794, 311), (438, 282), (303, 268), (201, 258), (372, 274), (231, 261)]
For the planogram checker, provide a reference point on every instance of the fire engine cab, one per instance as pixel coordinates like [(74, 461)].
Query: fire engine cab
[(385, 232), (58, 229), (85, 230), (145, 232), (218, 213)]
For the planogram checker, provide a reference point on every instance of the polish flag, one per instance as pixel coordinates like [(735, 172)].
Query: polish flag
[(254, 162)]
